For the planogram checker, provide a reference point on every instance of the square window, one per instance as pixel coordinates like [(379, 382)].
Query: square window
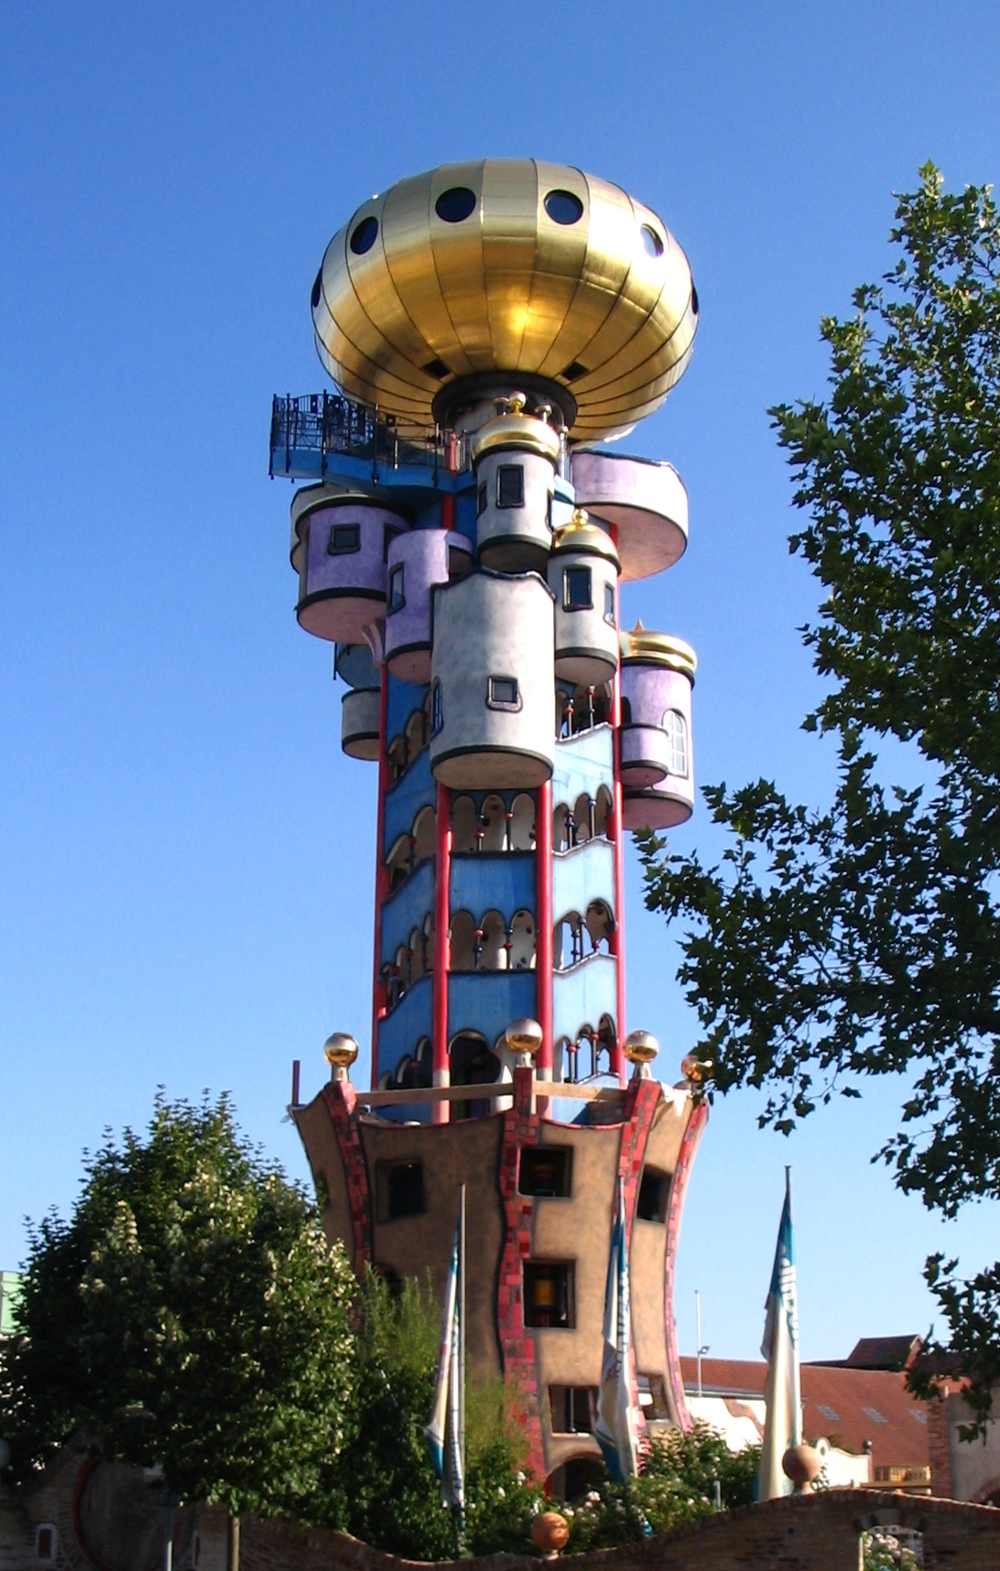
[(573, 1409), (545, 1171), (609, 604), (344, 538), (481, 500), (510, 485), (400, 1190), (396, 596), (503, 693), (548, 1295), (577, 594), (652, 1203)]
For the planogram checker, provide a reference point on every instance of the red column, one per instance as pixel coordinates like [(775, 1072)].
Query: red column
[(441, 1111), (379, 1000), (543, 927), (617, 942)]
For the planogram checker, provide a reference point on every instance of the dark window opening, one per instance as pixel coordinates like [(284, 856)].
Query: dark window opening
[(455, 204), (481, 500), (437, 368), (579, 1475), (573, 370), (626, 711), (317, 289), (510, 485), (344, 538), (564, 207), (573, 1409), (609, 604), (45, 1543), (651, 242), (400, 1191), (545, 1170), (577, 591), (396, 597), (437, 710), (548, 1293), (364, 236), (503, 693), (652, 1203)]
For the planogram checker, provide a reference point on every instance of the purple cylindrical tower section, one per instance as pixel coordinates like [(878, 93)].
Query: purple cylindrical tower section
[(417, 561), (657, 770), (342, 573)]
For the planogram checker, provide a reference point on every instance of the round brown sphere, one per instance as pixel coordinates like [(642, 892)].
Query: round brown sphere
[(802, 1465), (640, 1047), (550, 1532), (340, 1050), (524, 1036)]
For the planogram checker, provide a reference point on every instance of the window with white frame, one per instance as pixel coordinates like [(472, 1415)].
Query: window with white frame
[(675, 725)]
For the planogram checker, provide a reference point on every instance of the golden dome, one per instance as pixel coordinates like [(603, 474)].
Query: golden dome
[(581, 535), (640, 1047), (645, 647), (506, 265)]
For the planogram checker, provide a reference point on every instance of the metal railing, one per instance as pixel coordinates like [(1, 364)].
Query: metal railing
[(330, 423)]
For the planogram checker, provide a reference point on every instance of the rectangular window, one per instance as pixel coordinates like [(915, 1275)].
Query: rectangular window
[(573, 1409), (652, 1203), (344, 538), (400, 1190), (45, 1544), (548, 1295), (503, 693), (510, 485), (675, 725), (545, 1170), (437, 710), (577, 593), (481, 500), (652, 1396), (396, 596), (609, 604)]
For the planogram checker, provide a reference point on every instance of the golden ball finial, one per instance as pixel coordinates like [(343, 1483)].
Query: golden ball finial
[(640, 1048), (340, 1050), (695, 1069), (524, 1037)]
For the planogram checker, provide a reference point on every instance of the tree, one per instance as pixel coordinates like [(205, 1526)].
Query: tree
[(864, 939), (190, 1314)]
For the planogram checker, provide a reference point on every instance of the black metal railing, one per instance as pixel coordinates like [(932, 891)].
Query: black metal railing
[(330, 423)]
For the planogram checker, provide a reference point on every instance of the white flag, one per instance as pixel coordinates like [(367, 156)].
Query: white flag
[(615, 1427), (783, 1424), (446, 1430)]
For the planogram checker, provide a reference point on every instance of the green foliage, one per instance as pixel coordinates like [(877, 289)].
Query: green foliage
[(883, 1551), (189, 1313), (827, 946), (675, 1485)]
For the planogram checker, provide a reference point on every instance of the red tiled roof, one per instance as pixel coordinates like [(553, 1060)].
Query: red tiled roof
[(848, 1406)]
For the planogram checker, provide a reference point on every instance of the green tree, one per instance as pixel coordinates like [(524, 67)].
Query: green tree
[(190, 1314), (864, 939)]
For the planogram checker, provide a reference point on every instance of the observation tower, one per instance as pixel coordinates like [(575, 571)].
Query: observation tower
[(461, 539)]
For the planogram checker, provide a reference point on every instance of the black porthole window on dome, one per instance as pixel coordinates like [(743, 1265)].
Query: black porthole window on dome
[(694, 300), (651, 242), (317, 288), (364, 235), (455, 204), (564, 207)]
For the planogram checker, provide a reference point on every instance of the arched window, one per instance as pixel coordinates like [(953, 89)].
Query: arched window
[(493, 943), (464, 824), (522, 942), (416, 735), (398, 861), (602, 810), (494, 824), (429, 941), (567, 941), (583, 819), (472, 1064), (675, 725), (416, 955), (424, 835), (463, 942), (600, 924), (560, 828), (398, 760), (522, 824)]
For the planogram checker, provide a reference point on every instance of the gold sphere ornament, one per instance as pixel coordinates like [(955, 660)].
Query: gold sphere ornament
[(696, 1069), (340, 1050), (454, 284), (550, 1533), (641, 1047), (524, 1037)]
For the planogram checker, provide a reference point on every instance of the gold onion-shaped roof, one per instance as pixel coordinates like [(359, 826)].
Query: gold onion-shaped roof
[(534, 269)]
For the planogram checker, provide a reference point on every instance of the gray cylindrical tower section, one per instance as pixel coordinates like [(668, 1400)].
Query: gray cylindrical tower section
[(583, 576), (360, 713), (342, 572), (492, 707), (417, 561), (515, 458)]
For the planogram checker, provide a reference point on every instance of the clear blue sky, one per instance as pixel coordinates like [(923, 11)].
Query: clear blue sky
[(186, 858)]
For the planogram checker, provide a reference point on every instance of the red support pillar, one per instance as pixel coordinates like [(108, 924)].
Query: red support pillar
[(441, 1111), (379, 997), (543, 928), (617, 941)]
